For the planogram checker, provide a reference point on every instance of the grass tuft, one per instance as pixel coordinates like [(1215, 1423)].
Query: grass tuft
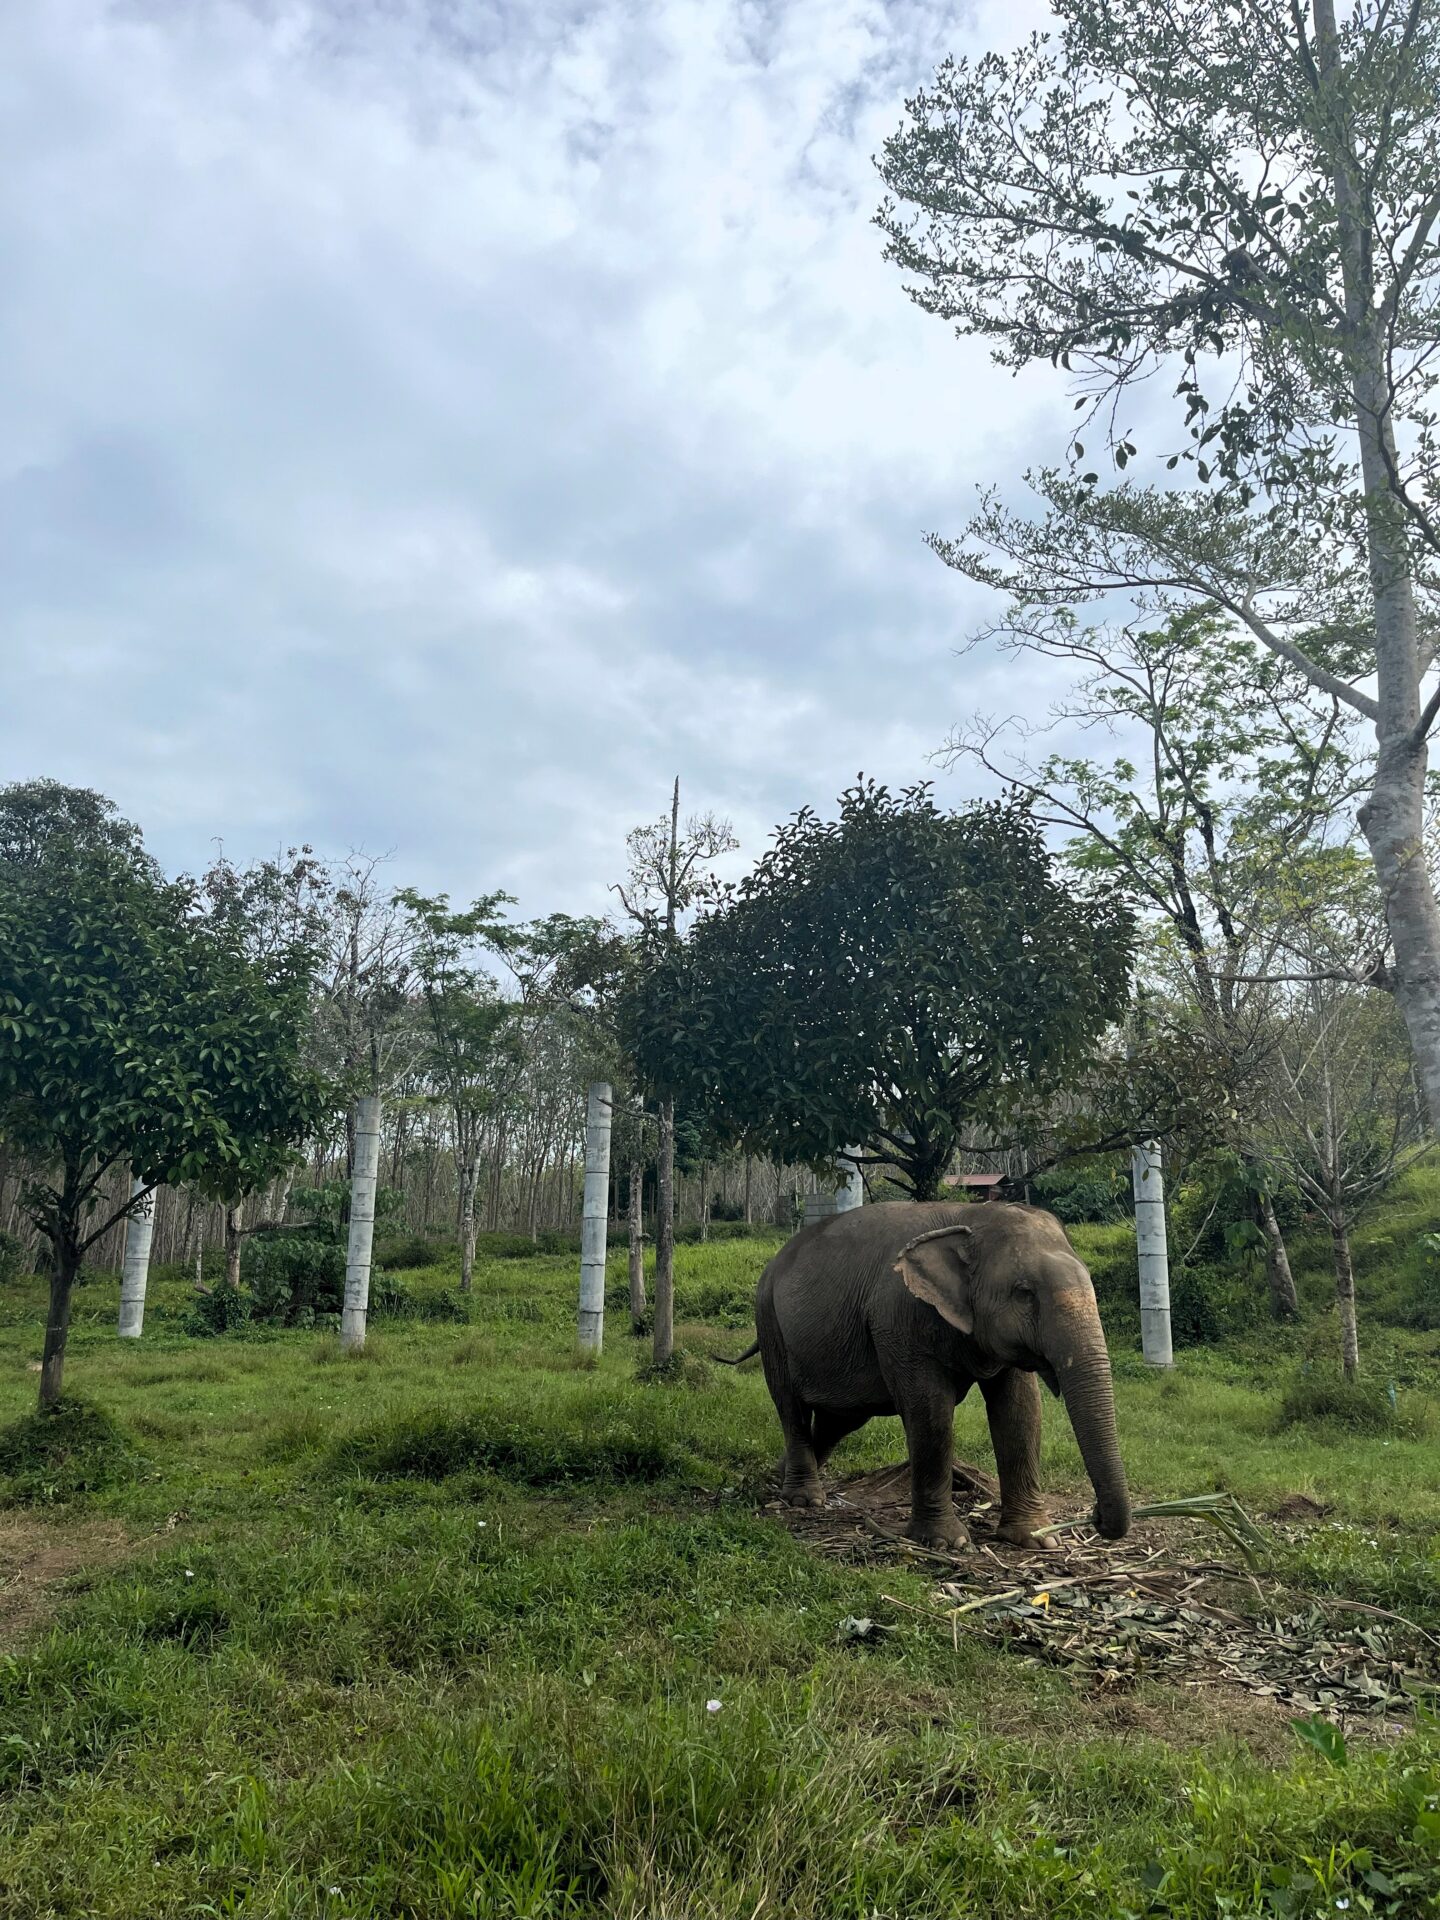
[(62, 1453)]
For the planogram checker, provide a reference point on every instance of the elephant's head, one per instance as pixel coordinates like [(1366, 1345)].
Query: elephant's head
[(1015, 1287)]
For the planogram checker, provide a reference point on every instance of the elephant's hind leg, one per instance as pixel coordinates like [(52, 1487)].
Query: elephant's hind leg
[(800, 1470)]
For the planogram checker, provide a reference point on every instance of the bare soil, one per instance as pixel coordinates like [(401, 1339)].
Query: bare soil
[(40, 1558)]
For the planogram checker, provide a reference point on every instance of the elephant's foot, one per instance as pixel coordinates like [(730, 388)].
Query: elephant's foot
[(941, 1532), (799, 1487), (1021, 1533), (811, 1495)]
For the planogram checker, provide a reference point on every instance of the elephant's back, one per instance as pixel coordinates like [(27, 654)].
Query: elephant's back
[(829, 1282)]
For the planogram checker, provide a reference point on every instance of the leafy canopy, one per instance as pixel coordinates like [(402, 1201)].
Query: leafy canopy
[(134, 1029), (888, 977)]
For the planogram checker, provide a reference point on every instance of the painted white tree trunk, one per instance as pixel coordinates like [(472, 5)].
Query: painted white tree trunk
[(594, 1219), (637, 1246), (138, 1232), (851, 1190), (362, 1222), (1154, 1256)]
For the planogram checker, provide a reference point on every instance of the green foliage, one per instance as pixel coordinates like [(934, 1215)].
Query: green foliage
[(133, 1029), (1422, 1308), (885, 977), (12, 1258), (1320, 1397), (63, 1451), (219, 1310), (601, 1441), (1094, 1195)]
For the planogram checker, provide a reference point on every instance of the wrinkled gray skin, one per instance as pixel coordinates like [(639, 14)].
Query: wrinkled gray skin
[(855, 1319)]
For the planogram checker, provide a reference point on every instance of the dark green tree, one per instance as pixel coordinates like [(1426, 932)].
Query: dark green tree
[(888, 977), (132, 1029)]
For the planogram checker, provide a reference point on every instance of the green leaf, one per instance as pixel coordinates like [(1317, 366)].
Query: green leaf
[(1325, 1737)]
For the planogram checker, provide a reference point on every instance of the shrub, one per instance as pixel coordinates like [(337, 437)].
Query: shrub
[(1419, 1304), (12, 1258), (1096, 1196), (224, 1309), (67, 1450), (519, 1246), (392, 1299), (296, 1274), (1317, 1397), (412, 1250), (532, 1450), (1209, 1304)]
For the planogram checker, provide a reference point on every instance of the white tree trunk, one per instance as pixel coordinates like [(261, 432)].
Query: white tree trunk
[(594, 1220), (851, 1190), (1154, 1257), (637, 1246), (366, 1164), (664, 1345), (1392, 818), (139, 1229), (469, 1181)]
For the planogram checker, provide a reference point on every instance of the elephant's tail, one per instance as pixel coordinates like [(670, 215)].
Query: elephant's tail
[(749, 1354)]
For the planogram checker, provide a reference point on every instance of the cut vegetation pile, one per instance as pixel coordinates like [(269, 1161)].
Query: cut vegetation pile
[(1114, 1613)]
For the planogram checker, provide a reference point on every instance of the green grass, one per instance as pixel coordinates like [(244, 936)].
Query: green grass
[(433, 1632)]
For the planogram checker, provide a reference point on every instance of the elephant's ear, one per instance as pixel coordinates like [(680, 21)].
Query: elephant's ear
[(936, 1268)]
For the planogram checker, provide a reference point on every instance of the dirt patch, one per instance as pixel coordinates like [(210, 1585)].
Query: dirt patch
[(1299, 1506), (1161, 1606), (38, 1557)]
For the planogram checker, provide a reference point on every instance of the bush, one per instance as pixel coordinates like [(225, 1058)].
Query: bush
[(519, 1246), (1316, 1397), (392, 1299), (296, 1274), (1094, 1196), (62, 1452), (224, 1309), (1210, 1304), (1419, 1302), (524, 1448), (412, 1250), (689, 1234), (12, 1258)]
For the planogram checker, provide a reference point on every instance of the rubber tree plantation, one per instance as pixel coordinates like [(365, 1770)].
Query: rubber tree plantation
[(890, 976), (134, 1031)]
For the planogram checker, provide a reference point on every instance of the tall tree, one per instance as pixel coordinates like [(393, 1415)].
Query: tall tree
[(1247, 197), (671, 871), (887, 977), (132, 1030), (1231, 775)]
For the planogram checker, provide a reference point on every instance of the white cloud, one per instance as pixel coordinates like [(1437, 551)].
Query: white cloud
[(433, 426)]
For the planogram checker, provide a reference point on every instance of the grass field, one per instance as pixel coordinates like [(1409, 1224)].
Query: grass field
[(441, 1630)]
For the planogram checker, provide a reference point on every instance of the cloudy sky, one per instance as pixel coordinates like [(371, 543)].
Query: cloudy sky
[(432, 424)]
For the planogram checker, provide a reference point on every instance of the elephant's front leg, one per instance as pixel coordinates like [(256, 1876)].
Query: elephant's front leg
[(928, 1412), (1012, 1404)]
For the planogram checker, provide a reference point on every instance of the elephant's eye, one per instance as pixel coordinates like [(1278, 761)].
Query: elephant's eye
[(1026, 1295)]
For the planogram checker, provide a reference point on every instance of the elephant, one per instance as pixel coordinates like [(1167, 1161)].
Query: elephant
[(899, 1308)]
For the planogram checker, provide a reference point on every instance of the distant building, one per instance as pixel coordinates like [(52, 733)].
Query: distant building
[(985, 1186)]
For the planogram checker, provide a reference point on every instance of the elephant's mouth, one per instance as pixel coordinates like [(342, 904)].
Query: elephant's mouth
[(1048, 1374)]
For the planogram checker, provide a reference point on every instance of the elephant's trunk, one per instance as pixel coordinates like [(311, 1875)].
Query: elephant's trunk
[(1084, 1374)]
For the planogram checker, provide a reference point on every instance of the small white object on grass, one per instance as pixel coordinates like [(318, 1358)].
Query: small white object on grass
[(712, 1706)]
